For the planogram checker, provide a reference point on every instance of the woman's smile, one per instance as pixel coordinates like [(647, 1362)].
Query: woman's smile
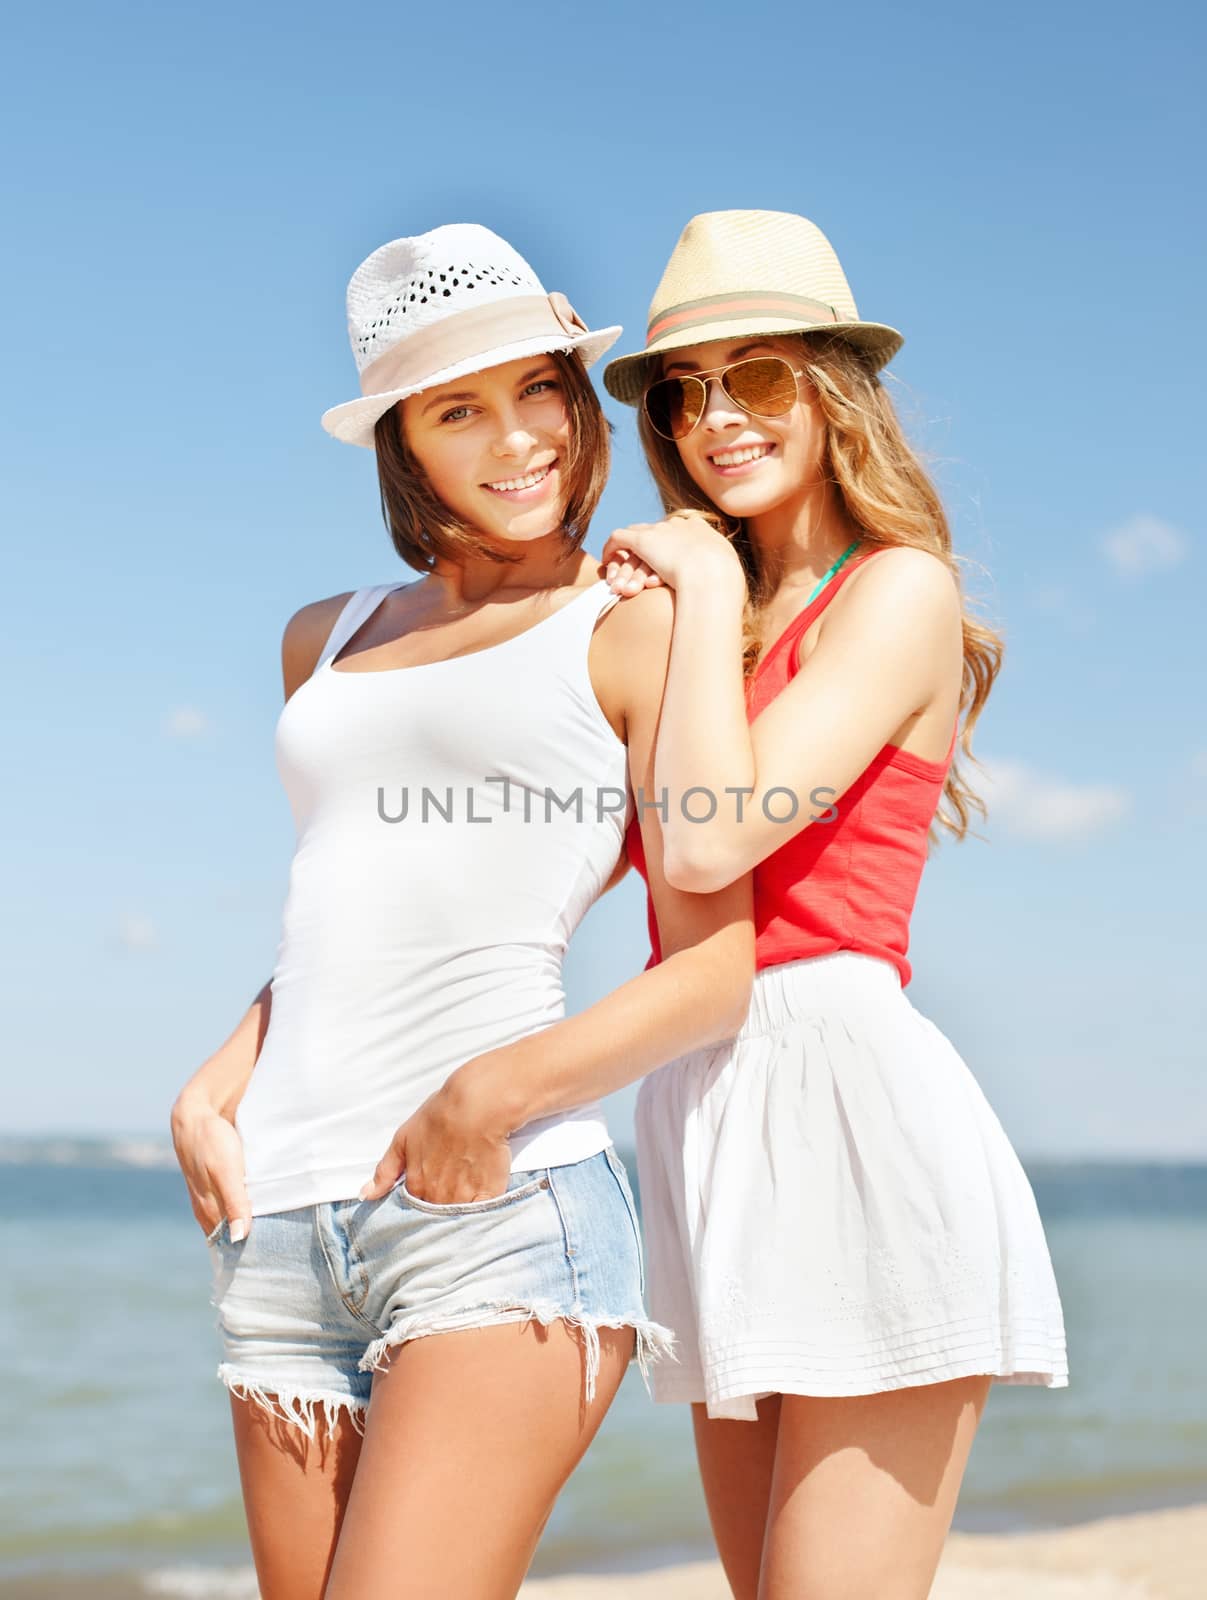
[(527, 486), (731, 463)]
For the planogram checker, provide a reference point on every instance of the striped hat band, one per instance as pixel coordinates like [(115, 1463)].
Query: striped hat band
[(729, 307)]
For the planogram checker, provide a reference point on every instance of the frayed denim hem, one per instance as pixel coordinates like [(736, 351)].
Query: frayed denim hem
[(654, 1342), (295, 1405)]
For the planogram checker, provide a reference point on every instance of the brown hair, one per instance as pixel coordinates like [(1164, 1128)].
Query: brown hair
[(885, 493), (423, 528)]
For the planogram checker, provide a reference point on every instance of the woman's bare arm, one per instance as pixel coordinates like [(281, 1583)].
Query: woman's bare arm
[(889, 648), (203, 1113), (220, 1082)]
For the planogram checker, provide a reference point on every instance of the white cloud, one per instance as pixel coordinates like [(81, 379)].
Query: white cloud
[(1145, 544), (186, 722), (137, 932), (1035, 805)]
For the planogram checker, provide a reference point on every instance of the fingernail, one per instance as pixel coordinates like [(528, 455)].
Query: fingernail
[(238, 1230), (363, 1194)]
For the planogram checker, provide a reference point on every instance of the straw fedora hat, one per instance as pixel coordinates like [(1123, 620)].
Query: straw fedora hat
[(737, 272), (423, 311)]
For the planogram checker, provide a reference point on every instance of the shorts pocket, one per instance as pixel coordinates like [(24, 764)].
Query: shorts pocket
[(622, 1183), (521, 1185)]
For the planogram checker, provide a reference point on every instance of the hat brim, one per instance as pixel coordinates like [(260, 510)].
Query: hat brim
[(354, 421), (627, 378)]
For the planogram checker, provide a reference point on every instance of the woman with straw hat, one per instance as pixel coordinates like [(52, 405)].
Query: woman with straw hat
[(419, 1226), (839, 1232)]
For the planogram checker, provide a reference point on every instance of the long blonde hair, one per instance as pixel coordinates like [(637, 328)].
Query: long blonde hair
[(886, 493)]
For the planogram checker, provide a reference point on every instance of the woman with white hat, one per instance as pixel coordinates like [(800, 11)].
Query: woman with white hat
[(839, 1232), (418, 1224)]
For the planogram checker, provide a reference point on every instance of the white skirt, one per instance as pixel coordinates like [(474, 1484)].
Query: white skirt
[(831, 1206)]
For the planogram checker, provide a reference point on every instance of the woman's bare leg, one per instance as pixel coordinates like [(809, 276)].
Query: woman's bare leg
[(737, 1460), (295, 1490), (470, 1438), (864, 1490)]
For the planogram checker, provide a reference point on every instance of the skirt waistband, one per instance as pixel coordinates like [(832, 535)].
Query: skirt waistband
[(792, 989)]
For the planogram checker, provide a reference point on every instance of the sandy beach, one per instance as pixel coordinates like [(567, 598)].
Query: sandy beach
[(1151, 1555), (1157, 1555)]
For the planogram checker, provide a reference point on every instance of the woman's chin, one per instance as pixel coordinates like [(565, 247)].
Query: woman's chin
[(744, 501), (527, 528), (738, 497), (509, 537)]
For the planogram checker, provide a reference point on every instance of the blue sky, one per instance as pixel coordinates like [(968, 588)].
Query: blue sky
[(186, 193)]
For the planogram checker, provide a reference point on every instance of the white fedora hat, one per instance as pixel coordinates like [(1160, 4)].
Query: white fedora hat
[(426, 310)]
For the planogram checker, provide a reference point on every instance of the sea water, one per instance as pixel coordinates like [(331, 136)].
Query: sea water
[(116, 1454)]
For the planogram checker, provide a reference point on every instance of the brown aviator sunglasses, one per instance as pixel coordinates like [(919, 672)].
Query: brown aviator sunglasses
[(765, 386)]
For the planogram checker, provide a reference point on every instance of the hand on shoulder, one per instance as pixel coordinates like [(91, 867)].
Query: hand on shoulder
[(685, 546)]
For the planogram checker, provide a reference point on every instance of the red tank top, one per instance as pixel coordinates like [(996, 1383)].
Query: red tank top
[(849, 884)]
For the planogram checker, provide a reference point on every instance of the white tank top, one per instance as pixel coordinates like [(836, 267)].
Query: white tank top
[(421, 929)]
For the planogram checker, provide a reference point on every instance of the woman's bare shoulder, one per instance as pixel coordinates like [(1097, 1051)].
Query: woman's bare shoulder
[(642, 621), (630, 653), (306, 632), (899, 580), (906, 572)]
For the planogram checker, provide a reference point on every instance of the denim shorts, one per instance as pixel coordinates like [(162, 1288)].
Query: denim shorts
[(312, 1300)]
